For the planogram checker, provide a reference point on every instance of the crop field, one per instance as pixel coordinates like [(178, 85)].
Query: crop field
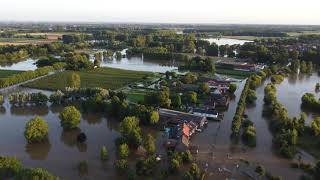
[(7, 73), (107, 78)]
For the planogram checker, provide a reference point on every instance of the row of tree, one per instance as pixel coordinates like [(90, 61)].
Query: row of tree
[(24, 76)]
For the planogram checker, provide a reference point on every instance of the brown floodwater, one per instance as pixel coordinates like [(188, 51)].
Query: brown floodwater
[(219, 151), (61, 154)]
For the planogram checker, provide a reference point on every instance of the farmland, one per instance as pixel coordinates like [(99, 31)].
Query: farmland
[(107, 78), (7, 73)]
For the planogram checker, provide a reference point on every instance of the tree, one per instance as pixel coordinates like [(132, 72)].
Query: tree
[(191, 97), (69, 118), (123, 151), (130, 130), (104, 153), (232, 88), (309, 68), (212, 50), (194, 173), (189, 78), (9, 166), (164, 98), (204, 88), (174, 166), (303, 67), (315, 125), (176, 100), (74, 80), (251, 96), (36, 130), (149, 144), (154, 117)]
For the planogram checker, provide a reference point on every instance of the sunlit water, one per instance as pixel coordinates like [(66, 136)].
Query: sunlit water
[(25, 65), (225, 41)]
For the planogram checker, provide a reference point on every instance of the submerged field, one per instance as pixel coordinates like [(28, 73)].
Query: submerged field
[(7, 73), (107, 78)]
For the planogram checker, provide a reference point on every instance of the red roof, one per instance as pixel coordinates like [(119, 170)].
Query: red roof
[(186, 130)]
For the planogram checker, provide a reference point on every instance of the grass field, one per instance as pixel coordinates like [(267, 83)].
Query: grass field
[(233, 73), (304, 33), (7, 73), (107, 78), (23, 41)]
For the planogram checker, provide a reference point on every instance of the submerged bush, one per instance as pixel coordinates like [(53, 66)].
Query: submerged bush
[(35, 174), (104, 154), (36, 130), (9, 167), (70, 118)]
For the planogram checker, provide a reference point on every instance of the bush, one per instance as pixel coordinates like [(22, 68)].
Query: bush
[(69, 118), (36, 130), (9, 166), (35, 174)]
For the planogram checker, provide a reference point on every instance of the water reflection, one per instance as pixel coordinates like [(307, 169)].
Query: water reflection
[(26, 65), (92, 118), (2, 110), (70, 137), (29, 110), (38, 151)]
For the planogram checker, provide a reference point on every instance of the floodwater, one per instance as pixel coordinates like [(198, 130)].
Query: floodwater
[(62, 153), (216, 148), (139, 63), (26, 65), (290, 91), (225, 41)]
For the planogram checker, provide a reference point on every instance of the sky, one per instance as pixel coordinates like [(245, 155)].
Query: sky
[(164, 11)]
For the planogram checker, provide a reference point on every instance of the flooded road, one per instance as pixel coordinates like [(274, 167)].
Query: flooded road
[(216, 148)]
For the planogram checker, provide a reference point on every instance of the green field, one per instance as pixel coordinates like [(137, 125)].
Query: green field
[(7, 73), (107, 78), (233, 73)]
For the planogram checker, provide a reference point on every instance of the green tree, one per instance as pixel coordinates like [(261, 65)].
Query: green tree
[(69, 118), (149, 144), (191, 97), (213, 50), (9, 166), (232, 88), (194, 173), (36, 130), (204, 88), (174, 166), (130, 130), (123, 151), (315, 125), (303, 67)]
